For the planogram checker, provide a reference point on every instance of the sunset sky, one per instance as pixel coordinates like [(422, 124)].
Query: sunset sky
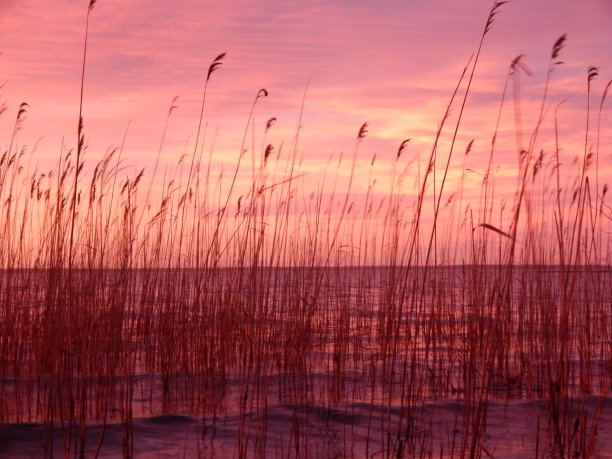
[(391, 63)]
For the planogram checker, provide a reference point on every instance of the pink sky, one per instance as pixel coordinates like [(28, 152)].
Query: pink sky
[(391, 63)]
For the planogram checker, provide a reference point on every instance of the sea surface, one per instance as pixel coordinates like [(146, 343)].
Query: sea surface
[(498, 361)]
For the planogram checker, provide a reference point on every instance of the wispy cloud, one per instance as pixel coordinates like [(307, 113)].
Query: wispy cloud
[(392, 63)]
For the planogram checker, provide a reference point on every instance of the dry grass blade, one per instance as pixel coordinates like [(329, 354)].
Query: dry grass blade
[(216, 63), (173, 105), (22, 110), (468, 149), (268, 152), (592, 74), (494, 11), (518, 63), (492, 228), (400, 149), (558, 46), (362, 131), (605, 94), (269, 123)]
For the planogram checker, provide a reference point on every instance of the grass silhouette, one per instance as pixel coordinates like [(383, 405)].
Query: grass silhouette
[(342, 318)]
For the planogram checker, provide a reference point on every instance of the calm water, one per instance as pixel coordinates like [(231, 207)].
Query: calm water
[(335, 362)]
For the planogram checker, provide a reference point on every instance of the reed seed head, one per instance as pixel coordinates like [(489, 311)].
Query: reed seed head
[(558, 46), (216, 63), (362, 131)]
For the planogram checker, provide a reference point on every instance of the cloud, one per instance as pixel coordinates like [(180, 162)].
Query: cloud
[(392, 63)]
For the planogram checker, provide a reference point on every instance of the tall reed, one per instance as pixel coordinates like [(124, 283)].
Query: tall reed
[(312, 321)]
